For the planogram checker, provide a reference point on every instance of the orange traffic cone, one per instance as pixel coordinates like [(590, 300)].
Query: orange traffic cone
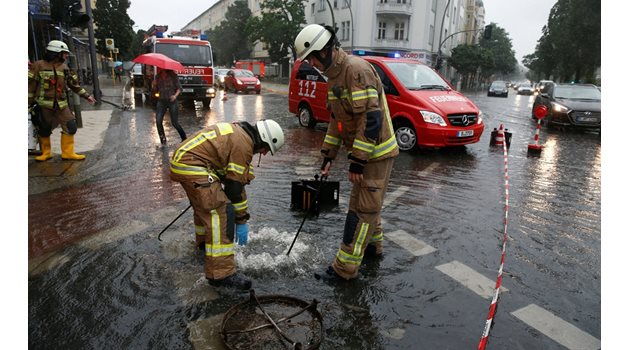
[(498, 140)]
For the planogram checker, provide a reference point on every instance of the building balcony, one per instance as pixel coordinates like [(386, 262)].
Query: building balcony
[(391, 44), (394, 9)]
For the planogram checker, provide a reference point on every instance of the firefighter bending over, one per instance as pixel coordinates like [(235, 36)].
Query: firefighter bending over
[(213, 166), (48, 80), (362, 123)]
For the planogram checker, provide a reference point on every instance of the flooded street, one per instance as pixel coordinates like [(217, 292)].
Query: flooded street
[(100, 279)]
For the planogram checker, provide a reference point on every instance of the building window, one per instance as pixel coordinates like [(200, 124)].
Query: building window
[(345, 4), (345, 30), (399, 31), (381, 30), (401, 1), (434, 5), (334, 3), (322, 5), (383, 1), (431, 34), (312, 9)]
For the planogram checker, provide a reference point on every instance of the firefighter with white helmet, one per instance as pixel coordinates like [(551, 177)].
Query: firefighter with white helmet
[(213, 166), (361, 122), (48, 82)]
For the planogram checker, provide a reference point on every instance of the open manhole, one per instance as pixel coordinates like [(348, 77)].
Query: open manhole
[(272, 322)]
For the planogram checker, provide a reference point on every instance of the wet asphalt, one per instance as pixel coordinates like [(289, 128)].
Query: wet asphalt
[(99, 278)]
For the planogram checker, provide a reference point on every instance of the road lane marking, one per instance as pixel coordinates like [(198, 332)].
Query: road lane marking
[(556, 328), (430, 168), (410, 243), (390, 197), (470, 278)]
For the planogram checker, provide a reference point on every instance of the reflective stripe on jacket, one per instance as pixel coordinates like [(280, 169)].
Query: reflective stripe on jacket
[(355, 94), (48, 83), (222, 151)]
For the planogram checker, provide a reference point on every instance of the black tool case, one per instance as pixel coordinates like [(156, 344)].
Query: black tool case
[(314, 195)]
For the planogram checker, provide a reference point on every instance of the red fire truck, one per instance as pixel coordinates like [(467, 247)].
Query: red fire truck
[(193, 51)]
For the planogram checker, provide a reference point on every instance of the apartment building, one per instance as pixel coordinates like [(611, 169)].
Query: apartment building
[(417, 29)]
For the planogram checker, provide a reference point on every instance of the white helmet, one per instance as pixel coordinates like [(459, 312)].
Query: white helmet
[(271, 133), (57, 46), (313, 37)]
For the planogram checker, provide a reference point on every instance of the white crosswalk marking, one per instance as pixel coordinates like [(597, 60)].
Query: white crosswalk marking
[(470, 278), (429, 169), (556, 328), (411, 244), (390, 197)]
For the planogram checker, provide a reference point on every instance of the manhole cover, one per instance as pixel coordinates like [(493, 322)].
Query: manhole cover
[(272, 322)]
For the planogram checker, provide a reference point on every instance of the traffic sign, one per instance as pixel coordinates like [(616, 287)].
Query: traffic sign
[(109, 43)]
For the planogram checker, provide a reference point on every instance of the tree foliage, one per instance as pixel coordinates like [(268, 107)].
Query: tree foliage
[(279, 24), (112, 21), (229, 39), (570, 46)]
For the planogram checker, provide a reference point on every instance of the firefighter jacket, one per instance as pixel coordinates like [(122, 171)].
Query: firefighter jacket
[(361, 117), (222, 152), (48, 83)]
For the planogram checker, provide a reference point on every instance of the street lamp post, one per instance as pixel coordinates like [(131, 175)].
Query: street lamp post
[(95, 83)]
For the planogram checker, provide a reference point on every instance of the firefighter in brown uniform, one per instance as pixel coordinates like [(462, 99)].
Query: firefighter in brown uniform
[(48, 80), (213, 166), (361, 122)]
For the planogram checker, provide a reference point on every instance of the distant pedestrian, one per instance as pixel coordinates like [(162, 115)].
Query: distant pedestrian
[(213, 166), (166, 87), (48, 81)]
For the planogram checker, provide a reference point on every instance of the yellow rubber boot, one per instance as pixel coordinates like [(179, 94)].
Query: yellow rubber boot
[(67, 148), (44, 142)]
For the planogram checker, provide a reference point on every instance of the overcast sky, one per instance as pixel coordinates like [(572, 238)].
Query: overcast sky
[(522, 19)]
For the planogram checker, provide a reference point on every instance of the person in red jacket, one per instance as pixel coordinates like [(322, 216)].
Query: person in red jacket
[(48, 80)]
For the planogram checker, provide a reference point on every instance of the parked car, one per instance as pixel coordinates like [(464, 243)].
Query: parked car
[(242, 80), (572, 105), (498, 88), (425, 109), (543, 86), (137, 80), (219, 77), (525, 89)]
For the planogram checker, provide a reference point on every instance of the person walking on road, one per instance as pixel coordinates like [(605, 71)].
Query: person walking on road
[(48, 82), (362, 123), (213, 166), (167, 87)]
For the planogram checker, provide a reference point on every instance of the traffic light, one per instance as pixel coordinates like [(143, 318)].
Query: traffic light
[(487, 32), (78, 18)]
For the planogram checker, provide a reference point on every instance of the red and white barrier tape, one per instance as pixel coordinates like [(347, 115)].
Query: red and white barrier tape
[(493, 306)]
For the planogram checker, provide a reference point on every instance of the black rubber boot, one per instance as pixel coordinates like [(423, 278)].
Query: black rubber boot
[(163, 139), (236, 280), (329, 276), (370, 252)]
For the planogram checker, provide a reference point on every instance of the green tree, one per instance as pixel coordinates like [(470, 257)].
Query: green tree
[(280, 23), (112, 21), (500, 56), (570, 46), (230, 39)]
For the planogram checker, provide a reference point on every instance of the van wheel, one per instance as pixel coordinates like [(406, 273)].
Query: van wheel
[(305, 117), (406, 136)]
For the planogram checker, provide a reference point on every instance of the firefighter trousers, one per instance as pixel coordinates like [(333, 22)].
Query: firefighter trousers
[(210, 206), (363, 222)]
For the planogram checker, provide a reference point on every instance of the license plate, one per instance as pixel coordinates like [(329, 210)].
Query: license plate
[(465, 133), (250, 87), (187, 90), (586, 119)]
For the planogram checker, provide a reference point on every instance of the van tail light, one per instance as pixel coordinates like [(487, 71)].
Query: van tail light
[(432, 118)]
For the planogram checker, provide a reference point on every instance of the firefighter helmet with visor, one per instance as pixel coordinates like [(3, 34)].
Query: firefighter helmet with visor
[(57, 46), (271, 134), (311, 38)]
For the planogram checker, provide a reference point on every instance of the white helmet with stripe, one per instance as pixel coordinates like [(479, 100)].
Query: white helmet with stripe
[(313, 37), (271, 134), (57, 46)]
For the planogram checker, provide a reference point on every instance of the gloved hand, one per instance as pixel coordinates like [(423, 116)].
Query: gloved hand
[(241, 234)]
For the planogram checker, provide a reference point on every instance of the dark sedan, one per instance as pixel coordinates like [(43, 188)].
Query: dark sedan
[(498, 88), (572, 105)]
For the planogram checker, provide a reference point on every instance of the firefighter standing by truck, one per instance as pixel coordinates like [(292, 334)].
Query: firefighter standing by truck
[(48, 80), (213, 166), (362, 123)]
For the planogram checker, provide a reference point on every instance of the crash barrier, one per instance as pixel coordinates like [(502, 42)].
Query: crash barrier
[(495, 299), (272, 322), (500, 136), (313, 195)]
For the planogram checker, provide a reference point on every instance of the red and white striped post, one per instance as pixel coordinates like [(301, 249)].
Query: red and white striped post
[(540, 112), (499, 140)]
